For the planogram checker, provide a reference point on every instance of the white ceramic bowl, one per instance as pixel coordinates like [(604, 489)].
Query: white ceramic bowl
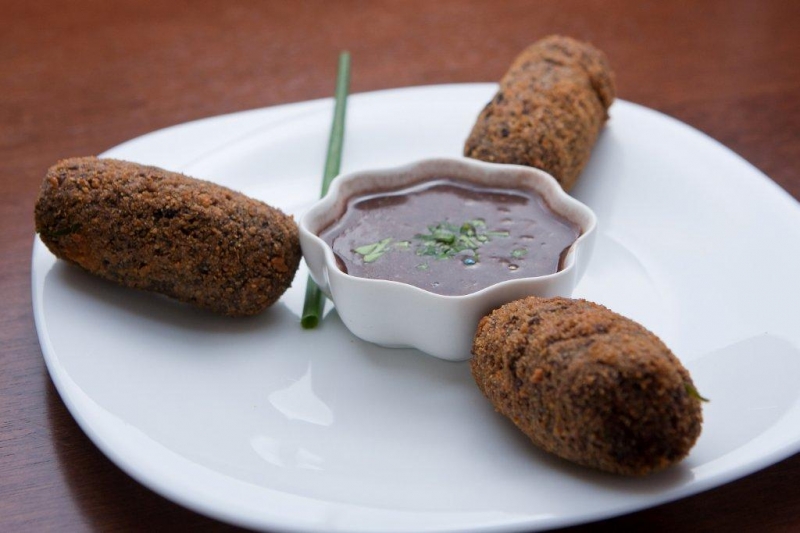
[(396, 314)]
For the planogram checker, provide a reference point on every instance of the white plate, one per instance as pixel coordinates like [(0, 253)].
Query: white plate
[(259, 423)]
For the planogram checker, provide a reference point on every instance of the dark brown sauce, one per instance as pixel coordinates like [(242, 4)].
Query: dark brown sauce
[(450, 237)]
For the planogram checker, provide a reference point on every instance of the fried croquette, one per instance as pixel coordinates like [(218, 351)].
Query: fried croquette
[(147, 228), (587, 384), (548, 111)]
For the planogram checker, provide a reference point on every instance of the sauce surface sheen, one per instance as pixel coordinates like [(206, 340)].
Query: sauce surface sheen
[(450, 237)]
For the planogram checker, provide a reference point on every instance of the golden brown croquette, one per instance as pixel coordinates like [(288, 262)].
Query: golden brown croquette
[(548, 111), (587, 384), (151, 229)]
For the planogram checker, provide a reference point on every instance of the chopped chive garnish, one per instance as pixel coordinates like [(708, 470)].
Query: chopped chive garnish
[(692, 391), (371, 252), (443, 241), (314, 299)]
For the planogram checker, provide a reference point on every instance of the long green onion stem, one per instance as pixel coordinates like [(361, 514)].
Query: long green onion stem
[(315, 300)]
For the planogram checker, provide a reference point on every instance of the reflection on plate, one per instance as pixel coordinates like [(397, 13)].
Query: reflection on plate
[(262, 424)]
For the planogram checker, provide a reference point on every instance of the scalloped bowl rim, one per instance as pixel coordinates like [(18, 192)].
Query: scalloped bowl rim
[(326, 210)]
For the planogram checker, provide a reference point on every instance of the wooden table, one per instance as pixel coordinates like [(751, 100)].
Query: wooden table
[(79, 77)]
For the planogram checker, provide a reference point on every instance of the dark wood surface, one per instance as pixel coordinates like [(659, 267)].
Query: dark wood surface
[(79, 77)]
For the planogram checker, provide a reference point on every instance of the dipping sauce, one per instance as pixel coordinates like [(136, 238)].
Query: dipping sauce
[(450, 237)]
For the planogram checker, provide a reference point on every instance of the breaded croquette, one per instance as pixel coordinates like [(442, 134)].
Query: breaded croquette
[(151, 229), (587, 384), (548, 111)]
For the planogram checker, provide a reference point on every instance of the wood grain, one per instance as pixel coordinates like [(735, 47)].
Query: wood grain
[(79, 77)]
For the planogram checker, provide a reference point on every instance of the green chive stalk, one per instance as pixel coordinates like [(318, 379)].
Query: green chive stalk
[(315, 300)]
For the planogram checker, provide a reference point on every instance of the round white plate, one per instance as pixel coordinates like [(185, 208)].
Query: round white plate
[(259, 423)]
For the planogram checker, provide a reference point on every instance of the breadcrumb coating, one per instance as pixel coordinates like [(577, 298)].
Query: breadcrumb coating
[(548, 111), (587, 384), (147, 228)]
